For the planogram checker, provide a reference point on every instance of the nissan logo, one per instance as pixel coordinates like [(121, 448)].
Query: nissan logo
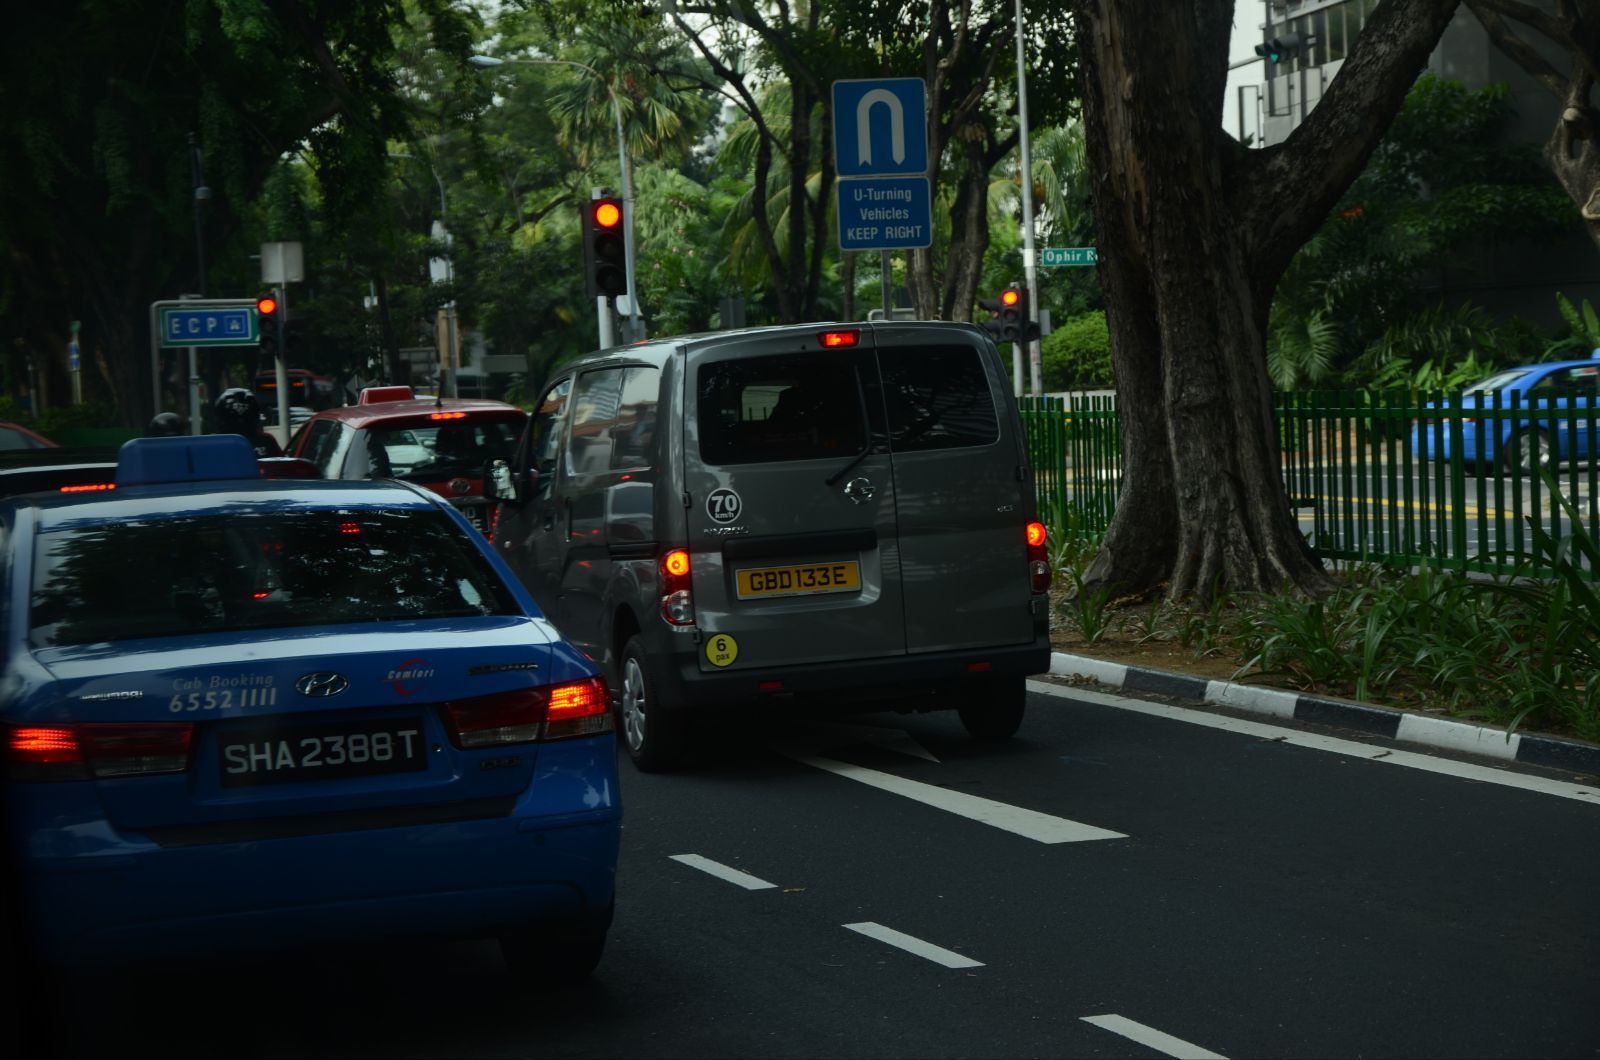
[(321, 685)]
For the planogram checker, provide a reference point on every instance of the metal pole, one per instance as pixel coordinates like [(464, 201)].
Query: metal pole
[(281, 366), (887, 267), (635, 328), (1031, 271), (194, 382)]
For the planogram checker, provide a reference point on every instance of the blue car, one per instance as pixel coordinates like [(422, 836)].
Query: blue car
[(240, 712), (1547, 416)]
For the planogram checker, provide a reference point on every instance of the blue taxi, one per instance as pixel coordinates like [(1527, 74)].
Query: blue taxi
[(240, 712)]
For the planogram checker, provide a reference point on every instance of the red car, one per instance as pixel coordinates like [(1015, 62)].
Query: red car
[(444, 445), (16, 436)]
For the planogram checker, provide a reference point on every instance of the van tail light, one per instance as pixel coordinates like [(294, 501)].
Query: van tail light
[(1038, 557), (677, 595), (97, 749), (529, 715)]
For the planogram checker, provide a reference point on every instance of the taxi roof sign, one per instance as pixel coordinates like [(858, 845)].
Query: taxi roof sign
[(199, 458), (374, 395)]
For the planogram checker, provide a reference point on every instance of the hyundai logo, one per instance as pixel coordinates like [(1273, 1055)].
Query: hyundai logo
[(321, 685)]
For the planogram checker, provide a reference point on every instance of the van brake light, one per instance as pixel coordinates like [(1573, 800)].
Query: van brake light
[(1038, 557), (677, 594)]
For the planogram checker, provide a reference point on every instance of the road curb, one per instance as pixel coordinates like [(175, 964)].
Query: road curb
[(1403, 726)]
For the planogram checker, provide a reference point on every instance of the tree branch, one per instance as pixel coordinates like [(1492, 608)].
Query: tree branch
[(1517, 49)]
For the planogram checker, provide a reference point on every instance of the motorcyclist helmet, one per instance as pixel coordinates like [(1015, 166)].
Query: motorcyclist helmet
[(165, 425)]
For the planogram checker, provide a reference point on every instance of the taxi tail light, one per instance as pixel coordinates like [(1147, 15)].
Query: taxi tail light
[(677, 594), (527, 715), (1038, 557), (581, 708), (77, 752)]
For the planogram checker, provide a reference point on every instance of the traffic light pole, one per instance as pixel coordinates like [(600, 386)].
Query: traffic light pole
[(280, 366), (1031, 270)]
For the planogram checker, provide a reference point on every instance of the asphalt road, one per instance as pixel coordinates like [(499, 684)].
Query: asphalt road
[(1193, 891)]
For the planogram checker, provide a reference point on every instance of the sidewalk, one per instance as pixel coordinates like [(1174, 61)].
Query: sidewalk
[(1552, 752)]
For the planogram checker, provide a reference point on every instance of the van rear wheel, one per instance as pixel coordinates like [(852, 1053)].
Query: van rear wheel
[(994, 711), (654, 737)]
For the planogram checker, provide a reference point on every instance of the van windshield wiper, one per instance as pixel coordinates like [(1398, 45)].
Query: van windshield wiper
[(832, 479)]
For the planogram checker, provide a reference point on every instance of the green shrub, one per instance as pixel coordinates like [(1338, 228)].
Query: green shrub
[(1077, 354)]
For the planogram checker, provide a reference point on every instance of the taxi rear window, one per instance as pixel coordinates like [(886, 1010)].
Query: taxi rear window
[(178, 576)]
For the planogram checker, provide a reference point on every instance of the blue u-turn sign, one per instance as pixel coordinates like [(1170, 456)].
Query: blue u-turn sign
[(880, 127)]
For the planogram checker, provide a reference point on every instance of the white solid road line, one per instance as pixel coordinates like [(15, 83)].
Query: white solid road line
[(926, 950), (1428, 763), (1030, 824), (723, 872), (1149, 1036)]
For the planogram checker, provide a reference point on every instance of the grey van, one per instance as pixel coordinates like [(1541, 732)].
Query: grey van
[(833, 515)]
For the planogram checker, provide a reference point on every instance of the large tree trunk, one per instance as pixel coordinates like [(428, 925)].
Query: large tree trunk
[(969, 230), (1194, 233)]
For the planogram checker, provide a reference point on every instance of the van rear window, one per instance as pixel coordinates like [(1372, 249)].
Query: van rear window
[(790, 407), (938, 398)]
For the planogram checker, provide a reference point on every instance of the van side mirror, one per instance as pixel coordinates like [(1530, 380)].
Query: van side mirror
[(500, 483), (497, 482)]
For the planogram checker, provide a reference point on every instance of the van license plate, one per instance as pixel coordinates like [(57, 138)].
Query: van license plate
[(805, 580)]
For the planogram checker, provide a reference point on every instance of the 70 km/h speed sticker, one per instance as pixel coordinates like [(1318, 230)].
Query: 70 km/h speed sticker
[(721, 650)]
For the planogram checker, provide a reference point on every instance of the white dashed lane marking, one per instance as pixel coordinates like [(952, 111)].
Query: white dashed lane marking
[(925, 950), (1152, 1038), (1030, 824), (723, 872)]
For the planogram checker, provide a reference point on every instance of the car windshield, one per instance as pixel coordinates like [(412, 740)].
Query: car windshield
[(255, 570), (1497, 382)]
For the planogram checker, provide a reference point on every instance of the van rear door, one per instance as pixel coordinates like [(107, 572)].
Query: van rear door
[(964, 498), (791, 502)]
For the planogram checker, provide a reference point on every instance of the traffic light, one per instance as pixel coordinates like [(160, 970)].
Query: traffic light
[(604, 254), (267, 326), (993, 325), (1013, 313), (1278, 49)]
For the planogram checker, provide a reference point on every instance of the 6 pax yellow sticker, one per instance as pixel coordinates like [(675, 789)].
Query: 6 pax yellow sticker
[(721, 649)]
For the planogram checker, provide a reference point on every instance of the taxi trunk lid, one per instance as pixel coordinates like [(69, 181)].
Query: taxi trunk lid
[(309, 723)]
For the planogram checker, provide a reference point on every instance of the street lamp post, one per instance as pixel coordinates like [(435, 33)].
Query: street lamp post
[(488, 62)]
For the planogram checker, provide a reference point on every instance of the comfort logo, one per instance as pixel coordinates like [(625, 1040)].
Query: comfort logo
[(407, 672)]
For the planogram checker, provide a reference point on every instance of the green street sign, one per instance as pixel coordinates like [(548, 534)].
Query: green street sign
[(1068, 256)]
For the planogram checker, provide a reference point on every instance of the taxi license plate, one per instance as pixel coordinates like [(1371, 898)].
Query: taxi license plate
[(804, 580), (299, 753)]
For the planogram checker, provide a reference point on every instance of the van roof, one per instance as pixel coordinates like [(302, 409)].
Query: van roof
[(657, 350)]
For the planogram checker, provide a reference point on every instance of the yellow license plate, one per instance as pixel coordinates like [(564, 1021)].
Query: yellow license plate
[(805, 580)]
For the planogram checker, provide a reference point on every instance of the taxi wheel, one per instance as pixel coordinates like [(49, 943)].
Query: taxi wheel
[(994, 712), (545, 958), (1530, 452), (654, 737)]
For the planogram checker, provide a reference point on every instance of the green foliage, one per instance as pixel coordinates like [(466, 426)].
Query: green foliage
[(1583, 336), (1077, 354), (1301, 350), (1441, 182), (1086, 609)]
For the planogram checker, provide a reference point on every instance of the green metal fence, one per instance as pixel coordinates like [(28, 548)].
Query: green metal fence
[(1444, 480)]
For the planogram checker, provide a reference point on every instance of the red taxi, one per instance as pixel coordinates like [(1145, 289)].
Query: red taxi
[(442, 444)]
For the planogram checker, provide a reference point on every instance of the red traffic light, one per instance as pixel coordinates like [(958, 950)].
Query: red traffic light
[(266, 306), (1010, 296), (607, 214)]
